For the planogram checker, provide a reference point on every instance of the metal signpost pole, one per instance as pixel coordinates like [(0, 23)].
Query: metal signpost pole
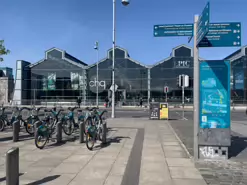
[(183, 78), (196, 89), (166, 97), (113, 59), (97, 75)]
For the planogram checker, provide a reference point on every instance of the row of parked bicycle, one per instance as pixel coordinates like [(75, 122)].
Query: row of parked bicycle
[(92, 119)]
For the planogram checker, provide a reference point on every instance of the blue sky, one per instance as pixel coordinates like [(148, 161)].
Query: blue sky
[(29, 27)]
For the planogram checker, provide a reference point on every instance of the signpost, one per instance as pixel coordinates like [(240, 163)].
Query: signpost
[(222, 35), (168, 30), (203, 24), (208, 35), (166, 90)]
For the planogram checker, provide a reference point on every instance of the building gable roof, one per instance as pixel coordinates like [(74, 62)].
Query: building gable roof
[(65, 56)]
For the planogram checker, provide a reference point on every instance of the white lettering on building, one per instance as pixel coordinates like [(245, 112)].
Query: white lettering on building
[(95, 83)]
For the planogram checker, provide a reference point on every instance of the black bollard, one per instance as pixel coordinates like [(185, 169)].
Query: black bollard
[(81, 132), (16, 130), (104, 131), (12, 166), (59, 132)]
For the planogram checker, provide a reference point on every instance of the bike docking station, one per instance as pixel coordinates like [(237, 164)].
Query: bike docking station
[(158, 111), (211, 82)]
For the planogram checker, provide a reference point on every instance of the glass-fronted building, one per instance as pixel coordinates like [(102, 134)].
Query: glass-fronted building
[(239, 75), (60, 77)]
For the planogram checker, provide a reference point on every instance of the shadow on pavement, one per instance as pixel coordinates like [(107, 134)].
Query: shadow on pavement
[(237, 146), (116, 139), (4, 178), (44, 180), (21, 138), (63, 142)]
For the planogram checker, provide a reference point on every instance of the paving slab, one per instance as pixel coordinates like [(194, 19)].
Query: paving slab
[(179, 162), (185, 173), (188, 182), (68, 168), (113, 180)]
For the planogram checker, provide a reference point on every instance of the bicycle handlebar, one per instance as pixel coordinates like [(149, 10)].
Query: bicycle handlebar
[(72, 108), (91, 109)]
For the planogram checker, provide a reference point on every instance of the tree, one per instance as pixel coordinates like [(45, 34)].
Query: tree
[(3, 50)]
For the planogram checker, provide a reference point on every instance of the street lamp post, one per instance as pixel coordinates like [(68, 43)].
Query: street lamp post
[(96, 47), (125, 3)]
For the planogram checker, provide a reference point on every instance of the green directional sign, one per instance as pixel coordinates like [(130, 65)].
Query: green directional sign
[(169, 30), (222, 35), (203, 24)]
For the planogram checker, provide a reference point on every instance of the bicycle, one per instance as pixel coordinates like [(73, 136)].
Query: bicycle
[(5, 122), (45, 131), (69, 123), (96, 128), (29, 122)]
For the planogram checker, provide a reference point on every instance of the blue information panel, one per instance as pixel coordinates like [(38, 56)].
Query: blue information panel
[(215, 94)]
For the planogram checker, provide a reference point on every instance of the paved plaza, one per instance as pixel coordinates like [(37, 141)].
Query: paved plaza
[(138, 151)]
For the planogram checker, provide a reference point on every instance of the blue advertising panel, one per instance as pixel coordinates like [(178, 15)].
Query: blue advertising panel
[(215, 94)]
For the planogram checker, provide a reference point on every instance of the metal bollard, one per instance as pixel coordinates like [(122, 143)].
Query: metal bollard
[(16, 130), (104, 131), (36, 126), (81, 132), (12, 166), (59, 132)]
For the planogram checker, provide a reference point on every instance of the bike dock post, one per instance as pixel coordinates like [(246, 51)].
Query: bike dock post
[(36, 126), (104, 133), (81, 132), (16, 130), (12, 166), (59, 132)]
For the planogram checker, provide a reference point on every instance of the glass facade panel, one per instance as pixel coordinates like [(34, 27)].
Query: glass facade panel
[(130, 77), (166, 73), (57, 79)]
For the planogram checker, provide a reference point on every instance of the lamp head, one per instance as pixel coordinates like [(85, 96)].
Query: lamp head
[(125, 2)]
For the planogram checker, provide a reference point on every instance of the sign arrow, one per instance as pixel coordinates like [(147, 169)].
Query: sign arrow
[(238, 25), (238, 37)]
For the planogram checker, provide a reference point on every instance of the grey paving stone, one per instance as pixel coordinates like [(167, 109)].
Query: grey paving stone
[(179, 162), (68, 168), (174, 143), (62, 179), (91, 172), (176, 154), (35, 173), (188, 182), (185, 173), (47, 162), (83, 181), (113, 180), (154, 166), (153, 158), (155, 177), (78, 158), (172, 148), (118, 169)]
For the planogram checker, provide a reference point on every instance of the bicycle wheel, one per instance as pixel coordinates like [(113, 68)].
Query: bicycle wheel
[(90, 140), (41, 137), (68, 127), (2, 125), (29, 126), (87, 123)]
